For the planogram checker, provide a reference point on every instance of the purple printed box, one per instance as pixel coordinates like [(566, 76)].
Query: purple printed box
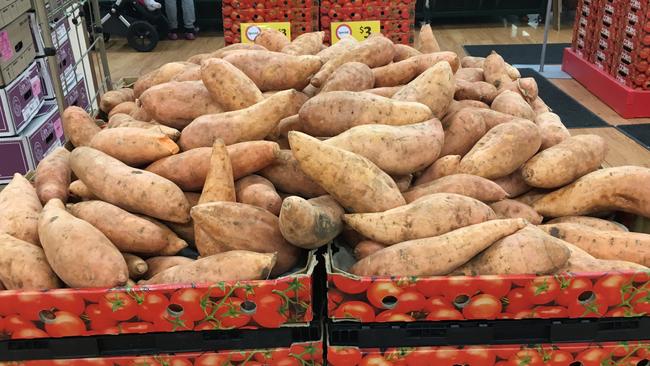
[(46, 79), (21, 101), (78, 96), (59, 32), (22, 153)]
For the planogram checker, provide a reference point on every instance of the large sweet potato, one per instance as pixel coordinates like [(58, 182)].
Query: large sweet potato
[(163, 74), (287, 177), (581, 261), (471, 74), (401, 73), (310, 223), (402, 52), (221, 52), (434, 88), (78, 126), (337, 49), (351, 76), (475, 90), (272, 39), (552, 129), (23, 266), (462, 132), (495, 70), (19, 210), (512, 103), (593, 222), (53, 176), (134, 146), (511, 209), (228, 85), (446, 165), (464, 184), (258, 191), (305, 44)]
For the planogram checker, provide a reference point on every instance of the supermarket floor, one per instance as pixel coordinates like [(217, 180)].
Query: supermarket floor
[(125, 62)]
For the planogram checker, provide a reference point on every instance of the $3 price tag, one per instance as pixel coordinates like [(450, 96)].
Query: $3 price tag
[(360, 30)]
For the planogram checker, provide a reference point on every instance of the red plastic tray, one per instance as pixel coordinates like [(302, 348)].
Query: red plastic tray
[(627, 102)]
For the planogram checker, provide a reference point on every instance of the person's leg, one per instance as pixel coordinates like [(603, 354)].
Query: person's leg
[(172, 18), (189, 17)]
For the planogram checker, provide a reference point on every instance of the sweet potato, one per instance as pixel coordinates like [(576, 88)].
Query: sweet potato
[(593, 222), (177, 103), (514, 104), (366, 248), (252, 123), (291, 123), (512, 72), (258, 191), (532, 196), (374, 52), (272, 39), (134, 146), (238, 226), (78, 126), (23, 266), (219, 182), (112, 98), (156, 265), (354, 181), (53, 176), (403, 181), (141, 114), (124, 107), (622, 188), (163, 74), (539, 106), (189, 74), (132, 189), (493, 118), (228, 85), (438, 255), (464, 184), (434, 88), (397, 150), (330, 114), (513, 184), (128, 232), (471, 74), (565, 162), (184, 231), (477, 90), (312, 223), (305, 44), (80, 191), (502, 150), (552, 129), (526, 87), (446, 165), (457, 106), (19, 210), (171, 133), (428, 42), (614, 245), (402, 52), (352, 76), (462, 132), (338, 48), (235, 265), (472, 61), (387, 91), (528, 251), (286, 176), (78, 252), (221, 52), (495, 71), (137, 266), (275, 70), (432, 215), (189, 168), (401, 73), (511, 209), (581, 261)]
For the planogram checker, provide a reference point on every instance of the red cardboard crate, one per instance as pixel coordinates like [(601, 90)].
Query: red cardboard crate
[(443, 298), (400, 37), (397, 26), (286, 301)]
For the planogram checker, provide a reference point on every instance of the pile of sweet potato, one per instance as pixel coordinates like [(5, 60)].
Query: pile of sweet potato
[(425, 163)]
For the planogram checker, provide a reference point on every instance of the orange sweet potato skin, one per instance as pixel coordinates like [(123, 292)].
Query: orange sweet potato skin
[(156, 265), (53, 176), (19, 210), (463, 184), (134, 146), (78, 126), (310, 223), (24, 266), (258, 191), (287, 177)]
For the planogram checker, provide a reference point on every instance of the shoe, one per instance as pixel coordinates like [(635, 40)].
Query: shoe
[(190, 36), (172, 36)]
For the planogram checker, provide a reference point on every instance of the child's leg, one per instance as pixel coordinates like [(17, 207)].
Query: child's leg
[(189, 17), (172, 16)]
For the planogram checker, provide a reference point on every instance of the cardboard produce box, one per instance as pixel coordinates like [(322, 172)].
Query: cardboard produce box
[(20, 101), (16, 49)]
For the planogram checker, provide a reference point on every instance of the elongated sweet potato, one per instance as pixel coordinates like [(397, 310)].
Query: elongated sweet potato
[(112, 98), (124, 107), (97, 262), (275, 70), (78, 126), (402, 52), (235, 265), (19, 210), (511, 209), (434, 88), (134, 146), (514, 104), (305, 44), (565, 162), (248, 124), (310, 223), (502, 150), (472, 61), (471, 74), (428, 42), (528, 251), (495, 71), (463, 184), (513, 184), (614, 245), (397, 150), (330, 114), (387, 91), (53, 176), (229, 86), (476, 90), (622, 188), (23, 266), (238, 226), (593, 222), (132, 189), (446, 165), (272, 39), (287, 177), (462, 132), (128, 232), (438, 255), (156, 265), (581, 261), (171, 133), (354, 181), (401, 73), (258, 191), (219, 181), (177, 103), (552, 129), (351, 76), (432, 215), (365, 248), (374, 52), (337, 48), (221, 52), (163, 74), (137, 266)]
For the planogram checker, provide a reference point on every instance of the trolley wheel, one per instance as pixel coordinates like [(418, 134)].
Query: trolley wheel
[(142, 36)]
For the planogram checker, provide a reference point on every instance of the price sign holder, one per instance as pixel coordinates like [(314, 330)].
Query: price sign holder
[(250, 31), (360, 30)]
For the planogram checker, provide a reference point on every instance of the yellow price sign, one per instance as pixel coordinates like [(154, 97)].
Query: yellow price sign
[(360, 30), (250, 31)]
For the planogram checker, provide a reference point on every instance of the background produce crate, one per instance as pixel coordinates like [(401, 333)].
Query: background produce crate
[(441, 298), (159, 308)]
